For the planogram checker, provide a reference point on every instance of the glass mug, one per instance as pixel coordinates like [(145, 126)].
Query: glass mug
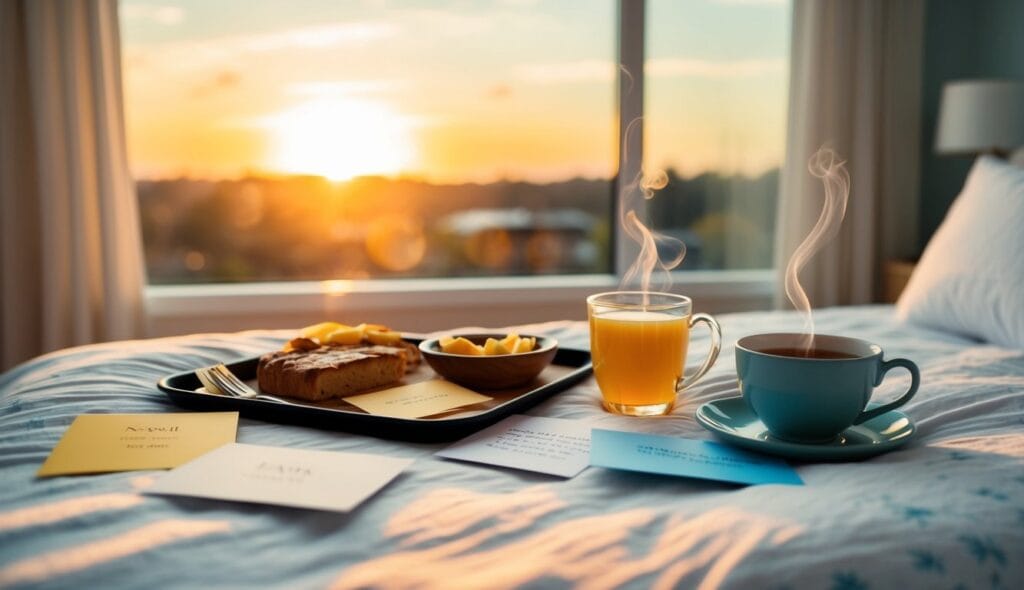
[(638, 343)]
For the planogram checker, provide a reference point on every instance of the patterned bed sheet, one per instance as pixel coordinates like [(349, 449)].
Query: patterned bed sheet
[(944, 511)]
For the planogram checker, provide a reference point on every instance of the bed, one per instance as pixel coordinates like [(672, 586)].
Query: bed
[(946, 510)]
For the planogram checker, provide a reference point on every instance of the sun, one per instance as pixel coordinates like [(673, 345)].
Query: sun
[(340, 138)]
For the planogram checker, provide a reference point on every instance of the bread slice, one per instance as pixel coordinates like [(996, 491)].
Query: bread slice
[(330, 371), (410, 351)]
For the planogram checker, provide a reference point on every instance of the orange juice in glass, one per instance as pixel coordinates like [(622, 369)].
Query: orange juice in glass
[(638, 343)]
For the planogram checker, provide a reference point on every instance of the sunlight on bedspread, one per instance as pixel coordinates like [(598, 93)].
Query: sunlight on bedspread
[(1010, 445), (64, 509), (464, 536), (72, 559)]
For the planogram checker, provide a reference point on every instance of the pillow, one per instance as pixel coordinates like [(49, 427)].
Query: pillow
[(970, 279)]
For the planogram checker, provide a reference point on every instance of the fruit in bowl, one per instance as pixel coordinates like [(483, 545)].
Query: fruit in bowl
[(489, 361), (511, 344)]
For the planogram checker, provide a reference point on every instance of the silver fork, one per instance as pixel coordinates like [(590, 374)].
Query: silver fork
[(219, 379)]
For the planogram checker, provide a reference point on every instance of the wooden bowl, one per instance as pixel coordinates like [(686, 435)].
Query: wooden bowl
[(490, 372)]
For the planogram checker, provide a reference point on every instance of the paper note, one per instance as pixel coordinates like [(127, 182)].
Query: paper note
[(302, 478), (99, 443), (545, 445), (425, 398), (649, 453)]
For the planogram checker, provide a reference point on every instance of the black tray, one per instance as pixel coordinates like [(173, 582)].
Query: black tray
[(570, 366)]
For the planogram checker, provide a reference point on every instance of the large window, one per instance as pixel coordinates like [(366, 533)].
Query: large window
[(715, 93), (317, 140)]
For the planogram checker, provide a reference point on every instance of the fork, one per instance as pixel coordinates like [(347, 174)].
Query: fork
[(219, 379)]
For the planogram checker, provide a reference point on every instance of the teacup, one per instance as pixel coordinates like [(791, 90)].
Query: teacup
[(638, 343), (812, 395)]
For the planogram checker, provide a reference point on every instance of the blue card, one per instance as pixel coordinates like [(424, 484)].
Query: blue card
[(668, 455)]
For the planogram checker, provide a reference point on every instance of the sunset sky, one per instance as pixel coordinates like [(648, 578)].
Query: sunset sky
[(448, 91)]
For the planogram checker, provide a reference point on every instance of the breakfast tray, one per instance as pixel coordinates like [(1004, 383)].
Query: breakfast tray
[(570, 366)]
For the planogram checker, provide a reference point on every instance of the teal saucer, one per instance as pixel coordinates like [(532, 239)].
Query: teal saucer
[(732, 420)]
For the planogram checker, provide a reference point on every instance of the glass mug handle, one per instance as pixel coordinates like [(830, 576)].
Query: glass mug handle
[(716, 345)]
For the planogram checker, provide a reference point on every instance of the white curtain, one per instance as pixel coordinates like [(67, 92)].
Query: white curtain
[(855, 83), (70, 245)]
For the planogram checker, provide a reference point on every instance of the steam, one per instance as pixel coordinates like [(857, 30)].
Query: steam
[(826, 165), (625, 73), (648, 261)]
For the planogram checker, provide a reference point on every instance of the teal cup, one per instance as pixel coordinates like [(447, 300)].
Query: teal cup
[(812, 395)]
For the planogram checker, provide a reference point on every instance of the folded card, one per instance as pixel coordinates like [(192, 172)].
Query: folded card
[(99, 443), (302, 478), (668, 455), (418, 400), (545, 445)]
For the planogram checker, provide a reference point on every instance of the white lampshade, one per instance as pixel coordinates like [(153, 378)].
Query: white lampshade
[(978, 116)]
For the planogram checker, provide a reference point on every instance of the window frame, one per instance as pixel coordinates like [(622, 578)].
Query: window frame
[(430, 304)]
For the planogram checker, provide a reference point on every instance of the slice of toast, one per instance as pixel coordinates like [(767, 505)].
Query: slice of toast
[(330, 371)]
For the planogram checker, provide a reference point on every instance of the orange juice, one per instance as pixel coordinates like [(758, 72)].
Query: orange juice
[(638, 358)]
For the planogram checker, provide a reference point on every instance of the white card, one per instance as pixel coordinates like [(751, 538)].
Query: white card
[(302, 478), (545, 445)]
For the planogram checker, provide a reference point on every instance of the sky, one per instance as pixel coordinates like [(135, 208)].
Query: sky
[(447, 91)]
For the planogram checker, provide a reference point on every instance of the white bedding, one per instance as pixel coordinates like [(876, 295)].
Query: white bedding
[(945, 511)]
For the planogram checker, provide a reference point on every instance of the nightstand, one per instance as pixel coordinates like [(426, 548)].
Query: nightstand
[(895, 274)]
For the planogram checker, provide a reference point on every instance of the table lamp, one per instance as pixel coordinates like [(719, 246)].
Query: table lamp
[(981, 116)]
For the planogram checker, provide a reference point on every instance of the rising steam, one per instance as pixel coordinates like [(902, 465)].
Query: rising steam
[(826, 165), (648, 260)]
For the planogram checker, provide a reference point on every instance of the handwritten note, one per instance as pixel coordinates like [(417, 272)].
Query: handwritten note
[(544, 445), (100, 443), (649, 453), (321, 480), (425, 398)]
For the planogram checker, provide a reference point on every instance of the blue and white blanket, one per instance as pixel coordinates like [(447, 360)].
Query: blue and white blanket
[(944, 511)]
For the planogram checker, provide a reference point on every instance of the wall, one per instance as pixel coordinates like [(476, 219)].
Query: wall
[(980, 39)]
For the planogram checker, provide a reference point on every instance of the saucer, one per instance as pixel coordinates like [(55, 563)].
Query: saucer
[(734, 421)]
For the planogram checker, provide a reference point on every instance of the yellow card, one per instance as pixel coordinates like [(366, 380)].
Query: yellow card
[(100, 443), (425, 398)]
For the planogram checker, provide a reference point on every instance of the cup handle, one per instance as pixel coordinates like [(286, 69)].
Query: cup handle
[(716, 345), (915, 381)]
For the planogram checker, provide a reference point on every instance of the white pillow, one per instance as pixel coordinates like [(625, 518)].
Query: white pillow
[(970, 279)]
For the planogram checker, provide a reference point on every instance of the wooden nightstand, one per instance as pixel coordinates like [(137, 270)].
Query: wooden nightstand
[(895, 275)]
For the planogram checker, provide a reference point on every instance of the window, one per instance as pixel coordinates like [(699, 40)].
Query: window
[(343, 140), (340, 141), (715, 93)]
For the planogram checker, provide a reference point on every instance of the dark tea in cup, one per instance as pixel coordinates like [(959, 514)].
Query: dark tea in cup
[(812, 353), (812, 394)]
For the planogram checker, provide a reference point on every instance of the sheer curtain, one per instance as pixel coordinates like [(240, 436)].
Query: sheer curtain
[(855, 83), (70, 244)]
